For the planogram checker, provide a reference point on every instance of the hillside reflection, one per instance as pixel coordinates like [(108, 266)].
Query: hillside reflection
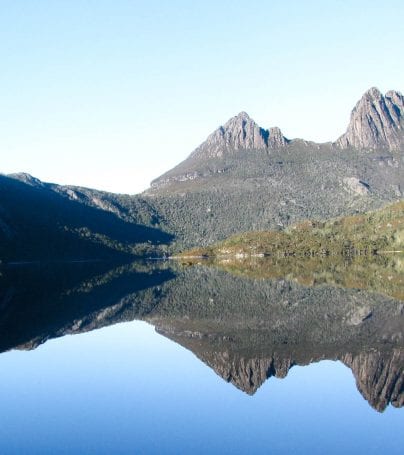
[(247, 320), (379, 273)]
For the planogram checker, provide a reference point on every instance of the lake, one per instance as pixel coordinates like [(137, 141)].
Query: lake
[(160, 357)]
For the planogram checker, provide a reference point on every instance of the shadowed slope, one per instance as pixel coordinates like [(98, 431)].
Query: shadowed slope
[(37, 222)]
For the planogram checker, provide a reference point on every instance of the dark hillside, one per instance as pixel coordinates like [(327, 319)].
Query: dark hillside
[(37, 223)]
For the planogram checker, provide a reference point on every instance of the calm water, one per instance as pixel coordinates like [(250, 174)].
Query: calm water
[(162, 358)]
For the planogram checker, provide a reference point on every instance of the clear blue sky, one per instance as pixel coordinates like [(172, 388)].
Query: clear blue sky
[(110, 94)]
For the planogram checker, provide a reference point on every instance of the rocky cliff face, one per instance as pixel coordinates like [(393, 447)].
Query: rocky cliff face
[(247, 374), (377, 122), (240, 132), (379, 377), (276, 138)]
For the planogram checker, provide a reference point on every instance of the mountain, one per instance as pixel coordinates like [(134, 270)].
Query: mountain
[(242, 178), (44, 221), (240, 132), (377, 122), (247, 178)]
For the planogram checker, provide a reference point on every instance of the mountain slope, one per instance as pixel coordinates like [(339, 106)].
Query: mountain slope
[(40, 221)]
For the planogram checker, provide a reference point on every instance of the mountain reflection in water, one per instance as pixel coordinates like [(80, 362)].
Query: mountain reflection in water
[(247, 320)]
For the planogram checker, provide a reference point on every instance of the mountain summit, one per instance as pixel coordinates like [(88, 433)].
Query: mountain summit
[(240, 132), (377, 122)]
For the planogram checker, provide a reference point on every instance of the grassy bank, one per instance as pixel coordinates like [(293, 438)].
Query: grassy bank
[(369, 233)]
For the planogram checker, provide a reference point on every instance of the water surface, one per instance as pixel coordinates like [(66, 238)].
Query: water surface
[(206, 358)]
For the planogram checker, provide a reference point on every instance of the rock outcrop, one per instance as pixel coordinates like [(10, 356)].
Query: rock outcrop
[(28, 179), (240, 132), (379, 377), (355, 186), (377, 122), (247, 374), (276, 138)]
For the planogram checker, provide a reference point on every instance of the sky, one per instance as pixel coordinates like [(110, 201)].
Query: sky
[(111, 94)]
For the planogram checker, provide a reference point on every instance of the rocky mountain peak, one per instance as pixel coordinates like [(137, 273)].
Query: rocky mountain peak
[(26, 178), (373, 93), (377, 121), (379, 377), (242, 115), (396, 99), (276, 138), (240, 132)]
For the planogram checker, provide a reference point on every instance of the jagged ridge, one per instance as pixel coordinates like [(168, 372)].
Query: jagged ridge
[(376, 122), (240, 132)]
